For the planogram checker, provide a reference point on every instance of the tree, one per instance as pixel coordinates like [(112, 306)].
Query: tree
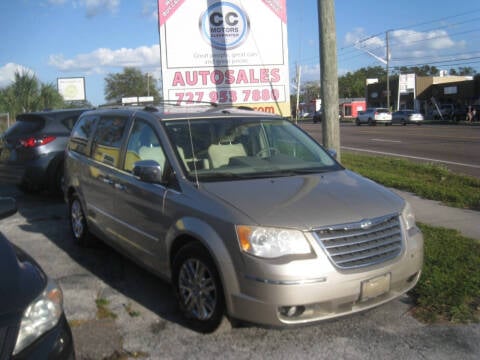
[(310, 91), (131, 82), (424, 70), (352, 85), (463, 71), (27, 93), (26, 89), (49, 97)]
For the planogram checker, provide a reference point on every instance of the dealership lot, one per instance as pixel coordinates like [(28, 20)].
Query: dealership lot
[(116, 308)]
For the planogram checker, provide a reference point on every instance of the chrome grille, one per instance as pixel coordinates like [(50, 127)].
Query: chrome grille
[(362, 244)]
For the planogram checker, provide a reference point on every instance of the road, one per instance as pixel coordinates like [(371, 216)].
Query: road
[(456, 147), (140, 319)]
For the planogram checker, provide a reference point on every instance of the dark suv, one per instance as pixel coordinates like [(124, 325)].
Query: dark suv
[(32, 149)]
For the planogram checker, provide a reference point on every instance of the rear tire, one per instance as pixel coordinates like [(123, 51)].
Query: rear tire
[(198, 288), (78, 223)]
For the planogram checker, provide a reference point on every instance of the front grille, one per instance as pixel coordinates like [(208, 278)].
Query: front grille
[(362, 244)]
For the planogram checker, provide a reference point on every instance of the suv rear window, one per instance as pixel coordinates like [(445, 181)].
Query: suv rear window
[(26, 124)]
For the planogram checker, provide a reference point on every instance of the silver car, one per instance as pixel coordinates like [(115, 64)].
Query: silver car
[(372, 116), (407, 116), (242, 211)]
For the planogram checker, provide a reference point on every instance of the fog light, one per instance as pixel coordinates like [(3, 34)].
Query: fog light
[(292, 311), (412, 277)]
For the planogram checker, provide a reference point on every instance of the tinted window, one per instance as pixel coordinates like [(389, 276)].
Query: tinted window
[(81, 133), (69, 122), (26, 124), (107, 140), (143, 144)]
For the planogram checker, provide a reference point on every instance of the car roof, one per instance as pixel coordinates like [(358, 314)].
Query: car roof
[(173, 112), (55, 112)]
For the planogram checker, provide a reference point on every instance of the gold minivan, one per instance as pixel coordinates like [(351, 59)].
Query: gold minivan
[(243, 212)]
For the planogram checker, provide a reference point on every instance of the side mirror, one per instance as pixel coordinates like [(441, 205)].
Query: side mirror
[(8, 206), (333, 153), (148, 171)]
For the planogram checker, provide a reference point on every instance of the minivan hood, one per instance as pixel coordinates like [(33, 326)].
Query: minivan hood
[(308, 201)]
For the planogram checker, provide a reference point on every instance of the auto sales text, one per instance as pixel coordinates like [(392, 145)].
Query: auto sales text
[(226, 77)]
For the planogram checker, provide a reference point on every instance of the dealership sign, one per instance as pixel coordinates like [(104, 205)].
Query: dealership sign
[(226, 52)]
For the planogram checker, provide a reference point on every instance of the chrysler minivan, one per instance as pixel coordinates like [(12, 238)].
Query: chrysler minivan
[(243, 212)]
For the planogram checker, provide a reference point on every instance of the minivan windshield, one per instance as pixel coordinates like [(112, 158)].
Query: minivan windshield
[(216, 149)]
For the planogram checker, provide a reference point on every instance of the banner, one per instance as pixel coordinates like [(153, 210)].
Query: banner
[(227, 52)]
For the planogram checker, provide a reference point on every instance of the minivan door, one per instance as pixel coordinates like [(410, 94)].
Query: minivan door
[(138, 205), (99, 182)]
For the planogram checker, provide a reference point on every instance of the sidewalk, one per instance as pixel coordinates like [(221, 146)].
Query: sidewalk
[(434, 213)]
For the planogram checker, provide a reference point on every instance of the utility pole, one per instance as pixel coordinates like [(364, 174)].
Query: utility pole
[(329, 75), (148, 84), (387, 64)]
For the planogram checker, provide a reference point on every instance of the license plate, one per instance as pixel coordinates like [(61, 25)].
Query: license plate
[(375, 287)]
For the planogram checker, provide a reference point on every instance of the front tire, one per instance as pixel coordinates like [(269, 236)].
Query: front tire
[(198, 288)]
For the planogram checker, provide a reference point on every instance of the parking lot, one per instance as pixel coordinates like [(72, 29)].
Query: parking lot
[(118, 311)]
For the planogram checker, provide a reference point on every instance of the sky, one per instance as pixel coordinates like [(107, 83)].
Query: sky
[(93, 38)]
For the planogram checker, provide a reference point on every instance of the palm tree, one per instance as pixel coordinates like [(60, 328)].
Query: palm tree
[(26, 90)]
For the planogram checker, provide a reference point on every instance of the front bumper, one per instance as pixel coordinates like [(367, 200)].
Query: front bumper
[(325, 292)]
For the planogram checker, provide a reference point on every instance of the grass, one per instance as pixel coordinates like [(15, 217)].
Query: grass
[(430, 181), (103, 312), (449, 288)]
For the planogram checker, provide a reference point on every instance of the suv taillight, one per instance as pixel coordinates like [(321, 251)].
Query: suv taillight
[(36, 141)]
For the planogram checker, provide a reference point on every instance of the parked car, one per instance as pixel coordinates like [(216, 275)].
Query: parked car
[(32, 321), (407, 116), (242, 211), (372, 116), (32, 149), (317, 116)]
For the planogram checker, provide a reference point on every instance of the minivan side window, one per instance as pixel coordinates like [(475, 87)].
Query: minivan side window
[(81, 133), (143, 144), (108, 140)]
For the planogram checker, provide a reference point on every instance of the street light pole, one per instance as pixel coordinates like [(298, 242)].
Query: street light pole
[(387, 63)]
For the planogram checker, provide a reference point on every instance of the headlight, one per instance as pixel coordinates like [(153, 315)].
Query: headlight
[(408, 216), (40, 316), (271, 242)]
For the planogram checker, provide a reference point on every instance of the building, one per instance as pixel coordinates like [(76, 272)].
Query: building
[(457, 90)]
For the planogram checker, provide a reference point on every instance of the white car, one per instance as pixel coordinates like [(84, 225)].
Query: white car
[(407, 116), (372, 116)]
